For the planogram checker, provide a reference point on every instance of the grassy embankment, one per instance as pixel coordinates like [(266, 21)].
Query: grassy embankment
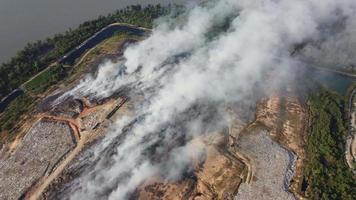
[(50, 78), (108, 46), (58, 74), (37, 56), (326, 171), (10, 118), (20, 108)]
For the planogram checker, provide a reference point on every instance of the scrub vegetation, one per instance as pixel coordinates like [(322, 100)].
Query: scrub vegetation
[(326, 171), (37, 56), (46, 79), (14, 112), (41, 84)]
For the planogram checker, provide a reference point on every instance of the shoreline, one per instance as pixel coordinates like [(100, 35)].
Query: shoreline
[(5, 101)]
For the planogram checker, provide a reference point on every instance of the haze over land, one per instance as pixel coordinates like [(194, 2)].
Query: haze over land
[(219, 100), (200, 67)]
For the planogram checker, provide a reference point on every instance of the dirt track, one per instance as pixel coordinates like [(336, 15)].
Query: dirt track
[(46, 181), (82, 137)]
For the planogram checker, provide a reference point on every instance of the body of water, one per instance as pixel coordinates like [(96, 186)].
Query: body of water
[(332, 81), (23, 21), (312, 78)]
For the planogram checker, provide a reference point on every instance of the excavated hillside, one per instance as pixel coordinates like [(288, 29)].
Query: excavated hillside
[(260, 160), (286, 118), (258, 155), (245, 160), (53, 141)]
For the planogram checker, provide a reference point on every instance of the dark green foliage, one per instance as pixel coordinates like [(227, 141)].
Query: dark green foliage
[(37, 56), (326, 171), (12, 114)]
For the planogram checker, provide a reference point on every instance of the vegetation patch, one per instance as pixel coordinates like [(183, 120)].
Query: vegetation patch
[(22, 105), (37, 56), (12, 115), (42, 82), (326, 172)]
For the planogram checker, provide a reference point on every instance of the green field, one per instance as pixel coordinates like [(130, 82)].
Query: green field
[(49, 77)]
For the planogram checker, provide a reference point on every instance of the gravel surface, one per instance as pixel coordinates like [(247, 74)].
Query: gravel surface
[(43, 146), (272, 167)]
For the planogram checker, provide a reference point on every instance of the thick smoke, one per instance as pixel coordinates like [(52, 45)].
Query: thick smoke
[(335, 46), (215, 53)]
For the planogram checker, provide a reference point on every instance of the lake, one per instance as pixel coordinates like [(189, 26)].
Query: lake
[(23, 21), (311, 78)]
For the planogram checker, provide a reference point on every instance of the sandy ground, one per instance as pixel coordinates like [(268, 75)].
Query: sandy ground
[(286, 118)]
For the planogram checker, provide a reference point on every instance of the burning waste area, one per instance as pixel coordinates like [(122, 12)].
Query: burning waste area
[(206, 107)]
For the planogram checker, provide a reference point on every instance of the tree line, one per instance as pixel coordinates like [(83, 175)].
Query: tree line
[(326, 172), (36, 56)]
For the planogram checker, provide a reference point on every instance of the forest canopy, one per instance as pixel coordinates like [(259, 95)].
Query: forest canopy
[(326, 171)]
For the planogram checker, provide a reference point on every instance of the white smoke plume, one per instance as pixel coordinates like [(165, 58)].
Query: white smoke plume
[(337, 50), (182, 68)]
